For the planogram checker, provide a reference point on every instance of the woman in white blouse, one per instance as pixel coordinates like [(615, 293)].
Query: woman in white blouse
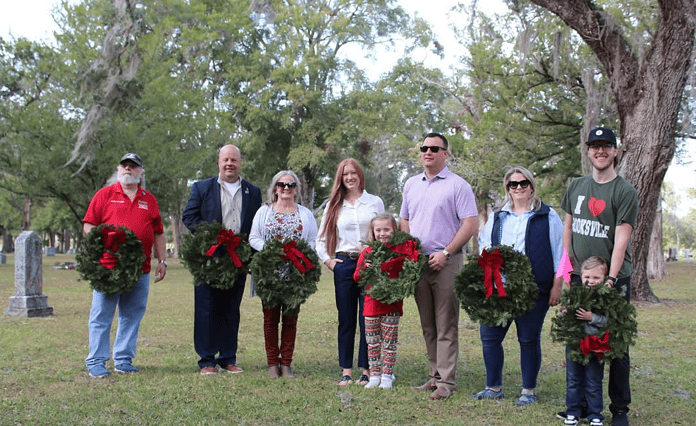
[(282, 218), (344, 225)]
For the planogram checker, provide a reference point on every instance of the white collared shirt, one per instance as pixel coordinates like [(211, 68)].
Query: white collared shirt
[(353, 225), (231, 204)]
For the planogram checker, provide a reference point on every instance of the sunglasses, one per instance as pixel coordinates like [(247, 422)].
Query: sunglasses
[(434, 149), (523, 183), (291, 185)]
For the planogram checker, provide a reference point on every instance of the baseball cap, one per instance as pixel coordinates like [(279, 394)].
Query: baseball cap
[(132, 157), (602, 134)]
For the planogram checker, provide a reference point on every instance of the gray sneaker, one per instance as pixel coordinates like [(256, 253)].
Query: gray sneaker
[(98, 371)]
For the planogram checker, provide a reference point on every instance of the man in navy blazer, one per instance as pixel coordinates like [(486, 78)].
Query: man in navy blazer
[(228, 199)]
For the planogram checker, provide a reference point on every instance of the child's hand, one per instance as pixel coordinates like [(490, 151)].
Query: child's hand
[(584, 315)]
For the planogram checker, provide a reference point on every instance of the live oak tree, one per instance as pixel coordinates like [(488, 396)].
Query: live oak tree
[(647, 81)]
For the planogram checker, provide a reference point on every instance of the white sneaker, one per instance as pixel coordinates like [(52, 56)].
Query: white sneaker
[(596, 422), (373, 383), (387, 380), (570, 421)]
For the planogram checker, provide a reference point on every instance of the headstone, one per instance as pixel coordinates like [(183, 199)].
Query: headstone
[(3, 259), (28, 300), (50, 251)]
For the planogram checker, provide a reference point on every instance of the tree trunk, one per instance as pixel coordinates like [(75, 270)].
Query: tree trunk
[(7, 241), (177, 229), (656, 260), (26, 215), (648, 95)]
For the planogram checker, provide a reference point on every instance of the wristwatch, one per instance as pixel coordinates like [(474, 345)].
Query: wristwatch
[(164, 261), (447, 254)]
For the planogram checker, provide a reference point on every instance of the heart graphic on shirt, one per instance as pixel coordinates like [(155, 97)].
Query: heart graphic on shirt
[(596, 206)]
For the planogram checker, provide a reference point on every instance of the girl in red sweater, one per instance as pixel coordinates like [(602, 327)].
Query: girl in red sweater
[(381, 319)]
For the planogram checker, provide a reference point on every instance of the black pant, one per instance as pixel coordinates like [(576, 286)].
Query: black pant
[(619, 369), (216, 323)]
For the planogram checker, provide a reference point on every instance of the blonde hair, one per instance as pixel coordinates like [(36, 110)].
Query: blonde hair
[(535, 200), (381, 216), (594, 262)]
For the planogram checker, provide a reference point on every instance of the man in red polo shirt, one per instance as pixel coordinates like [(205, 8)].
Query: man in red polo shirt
[(124, 203)]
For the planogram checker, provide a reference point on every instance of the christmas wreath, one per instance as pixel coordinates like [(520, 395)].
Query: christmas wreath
[(611, 342), (285, 272), (397, 266), (497, 286), (215, 255), (111, 259)]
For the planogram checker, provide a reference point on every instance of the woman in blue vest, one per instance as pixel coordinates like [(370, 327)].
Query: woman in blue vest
[(530, 227)]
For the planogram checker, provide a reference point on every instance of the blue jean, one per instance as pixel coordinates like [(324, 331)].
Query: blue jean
[(619, 369), (529, 328), (216, 323), (584, 387), (349, 303), (131, 308)]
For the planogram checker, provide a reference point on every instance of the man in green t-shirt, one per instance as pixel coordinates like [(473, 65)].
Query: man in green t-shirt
[(601, 211)]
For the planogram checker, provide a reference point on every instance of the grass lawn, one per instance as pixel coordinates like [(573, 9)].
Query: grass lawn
[(43, 380)]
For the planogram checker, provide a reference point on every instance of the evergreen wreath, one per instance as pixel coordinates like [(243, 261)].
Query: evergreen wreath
[(602, 299), (285, 272), (215, 256), (111, 259), (397, 266), (515, 297)]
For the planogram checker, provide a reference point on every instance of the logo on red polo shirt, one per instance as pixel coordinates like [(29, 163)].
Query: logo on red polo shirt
[(142, 205)]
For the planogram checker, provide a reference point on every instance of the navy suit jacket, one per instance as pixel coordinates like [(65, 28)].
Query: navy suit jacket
[(204, 204)]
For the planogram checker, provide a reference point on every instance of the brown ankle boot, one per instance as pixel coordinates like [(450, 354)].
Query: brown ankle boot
[(287, 371), (273, 372)]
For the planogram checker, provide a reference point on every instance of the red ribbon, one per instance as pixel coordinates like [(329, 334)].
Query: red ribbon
[(409, 248), (491, 264), (393, 266), (110, 239), (295, 256), (227, 238), (595, 345)]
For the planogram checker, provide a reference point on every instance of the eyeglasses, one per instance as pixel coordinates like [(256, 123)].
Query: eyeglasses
[(523, 183), (605, 146), (291, 185), (435, 149)]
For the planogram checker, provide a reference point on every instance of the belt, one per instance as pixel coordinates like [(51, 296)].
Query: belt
[(353, 255)]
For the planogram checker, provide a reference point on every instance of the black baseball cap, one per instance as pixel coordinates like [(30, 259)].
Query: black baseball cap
[(132, 157), (601, 134)]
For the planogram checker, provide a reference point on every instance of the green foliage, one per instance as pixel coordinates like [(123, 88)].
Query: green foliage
[(218, 270), (520, 288), (128, 270), (381, 286), (603, 300), (278, 280)]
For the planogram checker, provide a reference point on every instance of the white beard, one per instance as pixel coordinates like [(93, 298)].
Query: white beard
[(128, 179)]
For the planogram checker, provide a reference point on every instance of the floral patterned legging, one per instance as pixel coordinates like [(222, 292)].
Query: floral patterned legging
[(382, 334)]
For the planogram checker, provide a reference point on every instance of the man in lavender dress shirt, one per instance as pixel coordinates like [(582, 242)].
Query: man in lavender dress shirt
[(439, 208)]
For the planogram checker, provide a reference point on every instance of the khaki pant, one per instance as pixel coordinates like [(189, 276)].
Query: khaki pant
[(438, 307)]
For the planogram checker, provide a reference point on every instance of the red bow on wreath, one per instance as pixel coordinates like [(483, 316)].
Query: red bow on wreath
[(110, 239), (231, 242), (408, 248), (295, 256), (595, 345), (394, 266), (491, 264)]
